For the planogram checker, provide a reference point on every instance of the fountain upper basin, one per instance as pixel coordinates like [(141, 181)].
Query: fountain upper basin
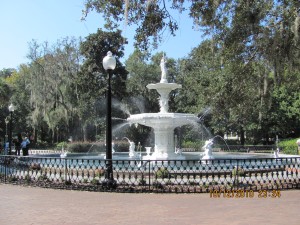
[(163, 120)]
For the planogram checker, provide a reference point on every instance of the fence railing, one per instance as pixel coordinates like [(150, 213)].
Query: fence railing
[(178, 176)]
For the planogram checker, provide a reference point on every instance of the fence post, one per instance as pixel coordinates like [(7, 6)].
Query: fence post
[(149, 180), (66, 177), (236, 177), (5, 168)]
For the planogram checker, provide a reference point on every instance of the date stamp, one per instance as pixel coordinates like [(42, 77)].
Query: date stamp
[(263, 194)]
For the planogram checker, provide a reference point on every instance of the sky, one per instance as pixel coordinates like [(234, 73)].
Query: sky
[(22, 21)]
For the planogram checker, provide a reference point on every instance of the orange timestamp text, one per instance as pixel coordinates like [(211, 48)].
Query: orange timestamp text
[(263, 194)]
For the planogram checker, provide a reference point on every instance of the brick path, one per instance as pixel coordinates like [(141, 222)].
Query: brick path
[(32, 205)]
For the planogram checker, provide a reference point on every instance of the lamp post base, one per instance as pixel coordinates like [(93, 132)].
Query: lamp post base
[(109, 183)]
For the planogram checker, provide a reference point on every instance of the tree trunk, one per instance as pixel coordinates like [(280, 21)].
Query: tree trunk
[(85, 133), (242, 136)]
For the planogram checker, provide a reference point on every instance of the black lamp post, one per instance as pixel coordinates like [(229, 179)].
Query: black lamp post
[(6, 123), (11, 109), (109, 64)]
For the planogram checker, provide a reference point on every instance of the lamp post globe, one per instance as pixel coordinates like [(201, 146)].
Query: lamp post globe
[(11, 109), (109, 64), (109, 61)]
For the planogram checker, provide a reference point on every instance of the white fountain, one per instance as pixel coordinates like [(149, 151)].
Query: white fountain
[(163, 122)]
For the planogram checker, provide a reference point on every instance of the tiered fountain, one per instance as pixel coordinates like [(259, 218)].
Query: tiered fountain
[(163, 122)]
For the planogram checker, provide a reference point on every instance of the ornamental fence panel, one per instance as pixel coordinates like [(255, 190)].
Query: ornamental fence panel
[(160, 176)]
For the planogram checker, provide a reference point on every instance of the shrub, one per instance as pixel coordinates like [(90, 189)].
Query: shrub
[(84, 147), (142, 182), (239, 172), (95, 181), (121, 146), (35, 166), (193, 144), (99, 172), (162, 173), (61, 145), (43, 177), (41, 145), (289, 146), (27, 178), (13, 179)]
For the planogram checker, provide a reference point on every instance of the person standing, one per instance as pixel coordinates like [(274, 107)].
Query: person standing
[(6, 148), (18, 142), (25, 146)]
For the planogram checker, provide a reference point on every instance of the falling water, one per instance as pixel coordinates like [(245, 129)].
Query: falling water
[(222, 140), (118, 129), (206, 111), (90, 149)]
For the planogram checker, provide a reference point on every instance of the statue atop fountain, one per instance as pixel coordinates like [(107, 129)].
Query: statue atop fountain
[(163, 87), (164, 70)]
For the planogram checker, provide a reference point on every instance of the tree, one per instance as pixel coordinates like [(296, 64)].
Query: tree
[(49, 81), (5, 93), (92, 78), (224, 87), (250, 22), (4, 73), (151, 17), (20, 98)]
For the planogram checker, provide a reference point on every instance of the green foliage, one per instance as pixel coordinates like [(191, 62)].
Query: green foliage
[(142, 74), (12, 178), (91, 81), (94, 181), (43, 145), (149, 16), (4, 93), (27, 178), (142, 182), (43, 177), (121, 146), (35, 166), (193, 144), (238, 172), (84, 147), (62, 145), (289, 146), (99, 172), (162, 173)]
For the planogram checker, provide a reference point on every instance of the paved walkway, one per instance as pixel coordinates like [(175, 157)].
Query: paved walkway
[(32, 205)]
